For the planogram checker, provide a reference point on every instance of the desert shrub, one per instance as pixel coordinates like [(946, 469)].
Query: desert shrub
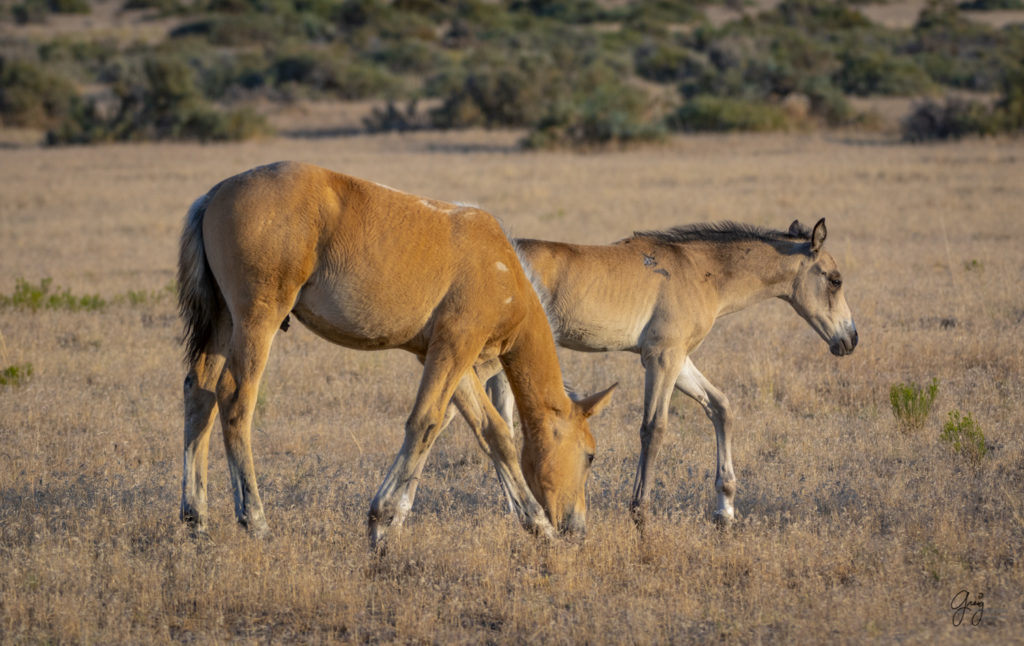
[(30, 11), (163, 6), (817, 15), (964, 436), (578, 11), (880, 72), (333, 73), (911, 403), (961, 53), (601, 110), (406, 56), (89, 55), (250, 29), (391, 118), (951, 119), (1010, 106), (720, 114), (367, 20), (991, 5), (45, 296), (827, 101), (500, 91), (36, 11), (69, 6), (34, 96), (653, 17), (15, 375), (668, 63), (158, 99)]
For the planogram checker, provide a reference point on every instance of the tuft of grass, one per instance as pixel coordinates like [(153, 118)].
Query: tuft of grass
[(44, 296), (964, 435), (912, 403), (15, 375)]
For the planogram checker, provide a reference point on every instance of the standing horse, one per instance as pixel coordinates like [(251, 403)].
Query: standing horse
[(659, 292), (369, 267)]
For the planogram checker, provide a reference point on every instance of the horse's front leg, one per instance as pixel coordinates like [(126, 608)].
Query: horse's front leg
[(716, 406), (661, 366), (446, 362), (495, 438)]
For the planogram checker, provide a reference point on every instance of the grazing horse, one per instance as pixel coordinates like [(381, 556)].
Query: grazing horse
[(369, 267), (659, 292)]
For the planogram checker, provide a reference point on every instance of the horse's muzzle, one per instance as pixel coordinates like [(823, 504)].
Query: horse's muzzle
[(573, 526), (844, 344)]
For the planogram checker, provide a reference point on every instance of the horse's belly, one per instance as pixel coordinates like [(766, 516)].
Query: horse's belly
[(361, 318), (598, 337)]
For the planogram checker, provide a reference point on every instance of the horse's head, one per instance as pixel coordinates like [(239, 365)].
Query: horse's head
[(817, 293), (557, 466)]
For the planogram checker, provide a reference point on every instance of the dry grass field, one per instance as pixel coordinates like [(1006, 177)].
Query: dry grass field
[(852, 530)]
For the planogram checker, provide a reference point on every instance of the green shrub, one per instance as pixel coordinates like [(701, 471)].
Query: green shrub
[(334, 73), (991, 5), (827, 101), (33, 96), (36, 11), (962, 53), (158, 98), (667, 63), (880, 72), (15, 375), (722, 114), (953, 119), (964, 436), (45, 296), (911, 403), (501, 91), (607, 113)]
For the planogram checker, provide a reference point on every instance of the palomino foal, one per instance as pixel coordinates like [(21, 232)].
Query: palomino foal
[(659, 292), (369, 267)]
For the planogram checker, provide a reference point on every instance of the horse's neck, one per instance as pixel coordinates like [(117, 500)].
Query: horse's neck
[(753, 271), (534, 374)]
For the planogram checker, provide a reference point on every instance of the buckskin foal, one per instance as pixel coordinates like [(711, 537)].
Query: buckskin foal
[(658, 293)]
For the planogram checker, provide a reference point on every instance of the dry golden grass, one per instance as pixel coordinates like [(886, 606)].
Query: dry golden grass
[(852, 531)]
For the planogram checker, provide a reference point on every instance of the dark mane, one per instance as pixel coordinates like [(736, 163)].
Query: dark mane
[(726, 232)]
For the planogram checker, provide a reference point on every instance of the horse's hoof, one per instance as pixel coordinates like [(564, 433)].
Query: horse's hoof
[(639, 516), (722, 520), (257, 528)]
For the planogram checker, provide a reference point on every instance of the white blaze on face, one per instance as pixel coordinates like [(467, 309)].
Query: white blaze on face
[(501, 266)]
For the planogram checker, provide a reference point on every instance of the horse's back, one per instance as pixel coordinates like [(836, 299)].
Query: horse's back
[(364, 265)]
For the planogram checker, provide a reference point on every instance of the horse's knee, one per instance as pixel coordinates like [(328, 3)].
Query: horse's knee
[(726, 485)]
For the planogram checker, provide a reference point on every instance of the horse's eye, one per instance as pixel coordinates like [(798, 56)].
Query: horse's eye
[(836, 282), (590, 459)]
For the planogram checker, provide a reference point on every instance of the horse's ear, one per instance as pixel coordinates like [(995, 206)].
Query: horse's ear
[(818, 236), (595, 403), (796, 229)]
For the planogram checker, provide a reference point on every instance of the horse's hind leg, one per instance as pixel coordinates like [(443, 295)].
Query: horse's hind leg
[(236, 396), (716, 406), (200, 412), (500, 393)]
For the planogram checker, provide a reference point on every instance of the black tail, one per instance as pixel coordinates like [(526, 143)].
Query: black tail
[(199, 299)]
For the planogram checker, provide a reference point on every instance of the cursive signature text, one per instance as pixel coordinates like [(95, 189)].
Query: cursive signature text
[(962, 603)]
